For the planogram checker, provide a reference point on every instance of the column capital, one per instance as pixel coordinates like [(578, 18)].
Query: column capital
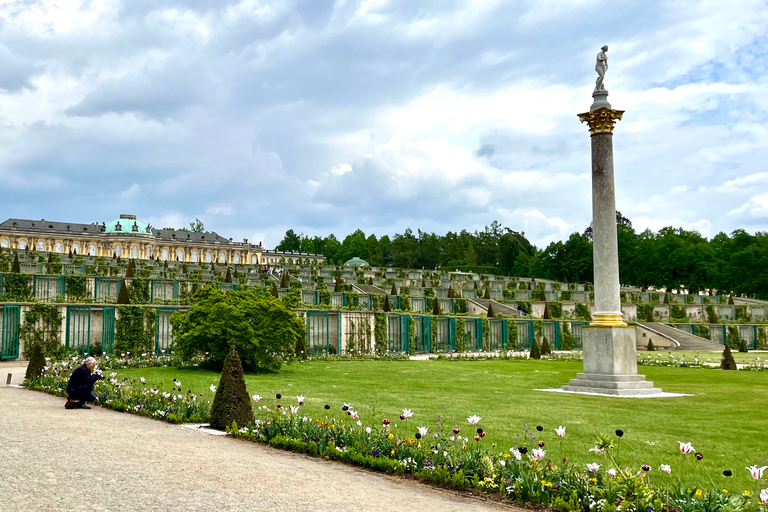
[(601, 120)]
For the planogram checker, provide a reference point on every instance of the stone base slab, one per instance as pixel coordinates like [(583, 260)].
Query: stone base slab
[(618, 385), (610, 364)]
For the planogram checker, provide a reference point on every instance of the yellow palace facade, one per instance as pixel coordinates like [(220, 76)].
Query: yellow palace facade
[(129, 237)]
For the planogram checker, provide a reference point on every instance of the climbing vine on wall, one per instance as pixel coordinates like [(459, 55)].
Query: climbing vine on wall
[(380, 334), (42, 323), (17, 287), (135, 330)]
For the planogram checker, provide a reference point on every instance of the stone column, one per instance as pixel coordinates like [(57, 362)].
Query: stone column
[(609, 345)]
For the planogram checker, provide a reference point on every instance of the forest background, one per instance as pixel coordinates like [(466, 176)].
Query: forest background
[(672, 257)]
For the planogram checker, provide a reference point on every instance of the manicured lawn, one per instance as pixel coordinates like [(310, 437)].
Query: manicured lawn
[(725, 419)]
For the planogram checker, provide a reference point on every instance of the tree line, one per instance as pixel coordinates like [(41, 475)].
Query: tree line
[(673, 258)]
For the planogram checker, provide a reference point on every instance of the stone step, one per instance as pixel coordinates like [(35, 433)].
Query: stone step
[(685, 340)]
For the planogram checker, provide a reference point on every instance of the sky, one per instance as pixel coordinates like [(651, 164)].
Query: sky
[(259, 116)]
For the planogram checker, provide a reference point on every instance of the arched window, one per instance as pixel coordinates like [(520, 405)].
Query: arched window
[(119, 250), (194, 256), (237, 259), (254, 259), (208, 256), (41, 246), (75, 248), (180, 255), (135, 251), (149, 253), (92, 250), (4, 243), (22, 244), (165, 255), (222, 257), (58, 247)]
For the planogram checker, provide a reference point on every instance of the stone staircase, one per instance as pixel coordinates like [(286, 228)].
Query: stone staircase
[(498, 307), (682, 339), (368, 288)]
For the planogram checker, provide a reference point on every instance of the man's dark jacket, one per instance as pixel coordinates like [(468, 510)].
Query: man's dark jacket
[(81, 377)]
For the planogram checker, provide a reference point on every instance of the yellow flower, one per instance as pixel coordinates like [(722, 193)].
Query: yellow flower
[(594, 479), (725, 491), (392, 452), (333, 426), (391, 436), (747, 493), (698, 493), (505, 456)]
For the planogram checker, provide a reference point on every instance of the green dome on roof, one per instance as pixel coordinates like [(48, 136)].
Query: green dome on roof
[(356, 262), (127, 225)]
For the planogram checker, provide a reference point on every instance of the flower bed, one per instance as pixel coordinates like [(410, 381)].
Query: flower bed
[(535, 470), (134, 396)]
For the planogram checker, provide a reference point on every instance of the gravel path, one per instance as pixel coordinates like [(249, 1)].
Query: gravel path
[(54, 459)]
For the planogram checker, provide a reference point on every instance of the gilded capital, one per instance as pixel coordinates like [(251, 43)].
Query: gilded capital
[(601, 120)]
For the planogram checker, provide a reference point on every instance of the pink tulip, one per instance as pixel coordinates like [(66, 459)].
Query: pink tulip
[(686, 447), (757, 473)]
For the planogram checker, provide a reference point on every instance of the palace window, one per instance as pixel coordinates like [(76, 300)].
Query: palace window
[(135, 252), (41, 246), (23, 244), (208, 256), (194, 256), (92, 250), (58, 247)]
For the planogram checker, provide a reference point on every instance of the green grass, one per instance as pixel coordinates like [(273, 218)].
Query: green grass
[(724, 419)]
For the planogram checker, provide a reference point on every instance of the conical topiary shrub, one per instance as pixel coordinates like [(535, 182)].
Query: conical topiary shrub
[(451, 293), (535, 350), (337, 285), (386, 307), (36, 362), (730, 299), (545, 349), (285, 281), (130, 271), (275, 293), (743, 346), (475, 285), (370, 281), (122, 296), (16, 266), (727, 362), (394, 290), (487, 294), (666, 298), (649, 315), (547, 315), (650, 347), (231, 403), (436, 306), (491, 313), (228, 277)]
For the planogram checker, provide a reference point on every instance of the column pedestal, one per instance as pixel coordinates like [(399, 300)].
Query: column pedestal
[(610, 364)]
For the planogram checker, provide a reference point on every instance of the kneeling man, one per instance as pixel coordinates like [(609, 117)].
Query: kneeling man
[(81, 383)]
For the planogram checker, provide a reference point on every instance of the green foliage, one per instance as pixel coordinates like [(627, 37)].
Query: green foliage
[(460, 339), (76, 287), (702, 330), (547, 315), (677, 313), (727, 362), (712, 315), (650, 347), (460, 305), (582, 312), (232, 404), (380, 334), (17, 287), (264, 331), (566, 337), (122, 296), (545, 349), (743, 346), (490, 313), (54, 265), (742, 315), (535, 350), (135, 329), (42, 323), (734, 339), (36, 362), (436, 307), (385, 304), (487, 294), (138, 291), (762, 338), (16, 266), (228, 277)]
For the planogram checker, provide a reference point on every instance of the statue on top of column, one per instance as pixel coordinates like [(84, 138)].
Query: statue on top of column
[(601, 66)]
